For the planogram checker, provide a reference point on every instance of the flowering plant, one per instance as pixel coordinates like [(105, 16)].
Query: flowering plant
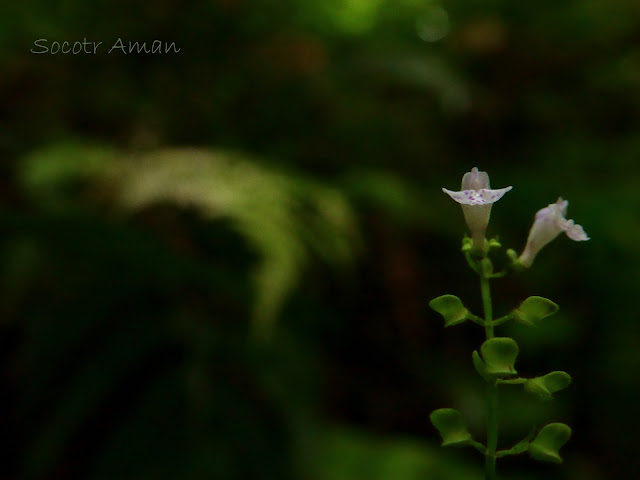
[(495, 362)]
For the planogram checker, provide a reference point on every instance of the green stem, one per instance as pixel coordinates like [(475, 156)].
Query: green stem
[(512, 381), (492, 389), (478, 446), (492, 432), (486, 303), (475, 319), (472, 264), (502, 320)]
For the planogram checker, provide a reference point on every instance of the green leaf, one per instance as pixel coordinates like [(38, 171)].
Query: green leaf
[(499, 355), (544, 387), (534, 309), (451, 308), (481, 368), (487, 266), (549, 440), (451, 426)]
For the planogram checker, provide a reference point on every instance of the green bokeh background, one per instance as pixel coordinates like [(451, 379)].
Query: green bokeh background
[(216, 264)]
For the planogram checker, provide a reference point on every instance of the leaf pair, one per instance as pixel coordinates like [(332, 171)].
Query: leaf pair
[(530, 312), (545, 447), (498, 361)]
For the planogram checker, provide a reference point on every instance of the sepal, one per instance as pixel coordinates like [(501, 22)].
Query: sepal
[(494, 243), (514, 260), (467, 244)]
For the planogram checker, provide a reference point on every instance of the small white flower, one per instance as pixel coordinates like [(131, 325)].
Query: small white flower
[(548, 224), (476, 198)]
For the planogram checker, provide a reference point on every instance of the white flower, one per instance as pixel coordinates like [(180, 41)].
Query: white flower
[(476, 198), (548, 224)]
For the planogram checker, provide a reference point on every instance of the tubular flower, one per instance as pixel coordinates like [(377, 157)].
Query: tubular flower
[(476, 198), (548, 224)]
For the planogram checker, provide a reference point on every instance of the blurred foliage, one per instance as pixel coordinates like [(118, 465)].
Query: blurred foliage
[(284, 218), (282, 174)]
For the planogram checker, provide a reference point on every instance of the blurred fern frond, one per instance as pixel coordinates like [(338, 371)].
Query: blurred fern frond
[(287, 219)]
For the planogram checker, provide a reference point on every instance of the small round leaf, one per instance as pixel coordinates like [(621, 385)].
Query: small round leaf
[(451, 308), (544, 387), (481, 368), (549, 440), (451, 426), (534, 309), (499, 355)]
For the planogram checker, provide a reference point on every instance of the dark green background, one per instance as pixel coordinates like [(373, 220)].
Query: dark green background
[(132, 343)]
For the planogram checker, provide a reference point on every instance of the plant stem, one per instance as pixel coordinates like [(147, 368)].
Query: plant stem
[(492, 388), (492, 432), (486, 304)]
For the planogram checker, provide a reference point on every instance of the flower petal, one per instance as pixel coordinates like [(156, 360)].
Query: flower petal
[(561, 205), (483, 196), (574, 231), (475, 180)]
